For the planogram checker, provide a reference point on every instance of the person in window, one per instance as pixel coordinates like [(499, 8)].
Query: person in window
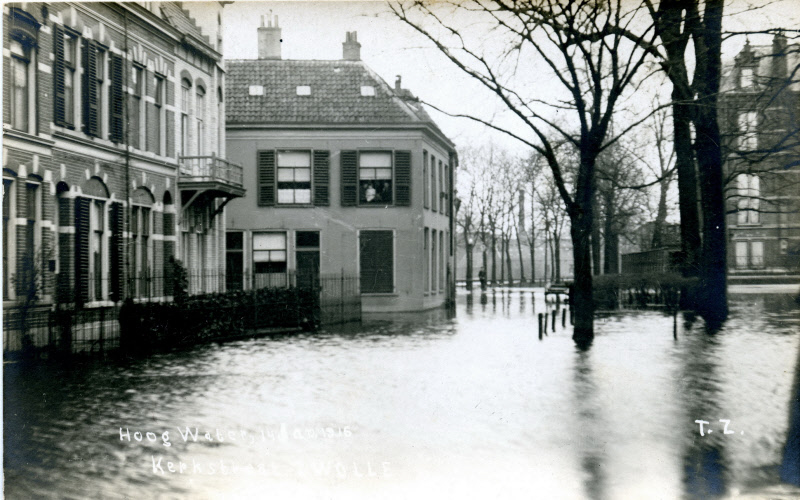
[(386, 192), (370, 193)]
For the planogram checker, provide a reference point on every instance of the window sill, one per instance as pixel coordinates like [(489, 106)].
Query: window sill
[(380, 294), (294, 205)]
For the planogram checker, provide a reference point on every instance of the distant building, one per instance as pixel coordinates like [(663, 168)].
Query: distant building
[(113, 152), (347, 176), (758, 111)]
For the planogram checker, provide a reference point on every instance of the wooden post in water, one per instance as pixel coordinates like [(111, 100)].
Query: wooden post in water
[(564, 318), (555, 315), (540, 326)]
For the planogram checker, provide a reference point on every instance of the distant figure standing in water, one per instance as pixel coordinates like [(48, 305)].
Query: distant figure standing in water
[(482, 278)]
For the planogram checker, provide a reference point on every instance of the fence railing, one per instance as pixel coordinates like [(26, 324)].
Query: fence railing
[(210, 167), (89, 322)]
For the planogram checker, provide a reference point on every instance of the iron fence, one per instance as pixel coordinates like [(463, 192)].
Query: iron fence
[(86, 319)]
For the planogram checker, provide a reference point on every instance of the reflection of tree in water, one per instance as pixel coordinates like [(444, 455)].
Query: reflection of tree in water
[(790, 465), (704, 468), (591, 429)]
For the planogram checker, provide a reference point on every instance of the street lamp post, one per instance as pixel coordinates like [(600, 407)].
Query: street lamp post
[(470, 246)]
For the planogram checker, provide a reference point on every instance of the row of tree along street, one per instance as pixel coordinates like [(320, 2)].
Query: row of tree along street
[(605, 57)]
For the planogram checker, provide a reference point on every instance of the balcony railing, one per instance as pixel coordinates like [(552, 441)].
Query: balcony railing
[(210, 168)]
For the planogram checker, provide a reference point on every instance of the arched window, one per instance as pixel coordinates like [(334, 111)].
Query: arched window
[(186, 107), (200, 113), (91, 241), (141, 229), (220, 124)]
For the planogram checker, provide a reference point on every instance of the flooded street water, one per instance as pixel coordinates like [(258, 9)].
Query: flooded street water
[(423, 406)]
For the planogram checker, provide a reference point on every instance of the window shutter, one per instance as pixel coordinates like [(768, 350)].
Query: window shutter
[(266, 178), (321, 178), (402, 178), (349, 164), (90, 91), (59, 104), (82, 230), (116, 68), (117, 253)]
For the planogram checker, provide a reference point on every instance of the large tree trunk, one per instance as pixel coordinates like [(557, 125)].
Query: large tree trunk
[(582, 302), (713, 304), (687, 189)]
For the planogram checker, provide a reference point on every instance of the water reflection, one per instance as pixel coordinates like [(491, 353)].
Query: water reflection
[(472, 406)]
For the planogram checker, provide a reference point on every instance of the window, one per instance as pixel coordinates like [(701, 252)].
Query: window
[(441, 261), (269, 259), (20, 86), (748, 138), (434, 203), (294, 177), (136, 106), (200, 113), (154, 135), (256, 90), (186, 108), (745, 77), (434, 264), (749, 254), (757, 253), (367, 91), (426, 261), (784, 247), (441, 193), (96, 255), (376, 261), (7, 235), (748, 199), (303, 90), (70, 69), (141, 223), (375, 178), (425, 202)]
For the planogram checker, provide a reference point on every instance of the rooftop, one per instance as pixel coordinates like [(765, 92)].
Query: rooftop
[(277, 91)]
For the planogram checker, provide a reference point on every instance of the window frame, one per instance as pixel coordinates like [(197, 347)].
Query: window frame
[(747, 130), (26, 59), (391, 180), (9, 236), (310, 168), (186, 112), (200, 116), (71, 44), (285, 261), (748, 200)]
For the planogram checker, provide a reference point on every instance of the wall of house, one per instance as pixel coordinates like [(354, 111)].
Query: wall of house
[(339, 226), (67, 163)]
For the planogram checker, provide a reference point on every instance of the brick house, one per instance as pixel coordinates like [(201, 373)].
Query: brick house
[(113, 153), (350, 176), (759, 122)]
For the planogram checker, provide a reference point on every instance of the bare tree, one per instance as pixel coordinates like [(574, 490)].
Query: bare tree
[(594, 63)]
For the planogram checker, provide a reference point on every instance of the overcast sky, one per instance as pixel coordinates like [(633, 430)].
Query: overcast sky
[(316, 30)]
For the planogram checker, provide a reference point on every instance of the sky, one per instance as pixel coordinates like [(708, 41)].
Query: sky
[(316, 30)]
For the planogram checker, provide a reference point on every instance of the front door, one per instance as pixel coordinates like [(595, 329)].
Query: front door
[(308, 269)]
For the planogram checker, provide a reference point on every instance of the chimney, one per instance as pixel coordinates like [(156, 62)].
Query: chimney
[(269, 38), (779, 67), (397, 83), (351, 49)]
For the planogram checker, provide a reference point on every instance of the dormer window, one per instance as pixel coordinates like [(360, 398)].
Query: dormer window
[(256, 90), (746, 78), (368, 91), (303, 90)]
